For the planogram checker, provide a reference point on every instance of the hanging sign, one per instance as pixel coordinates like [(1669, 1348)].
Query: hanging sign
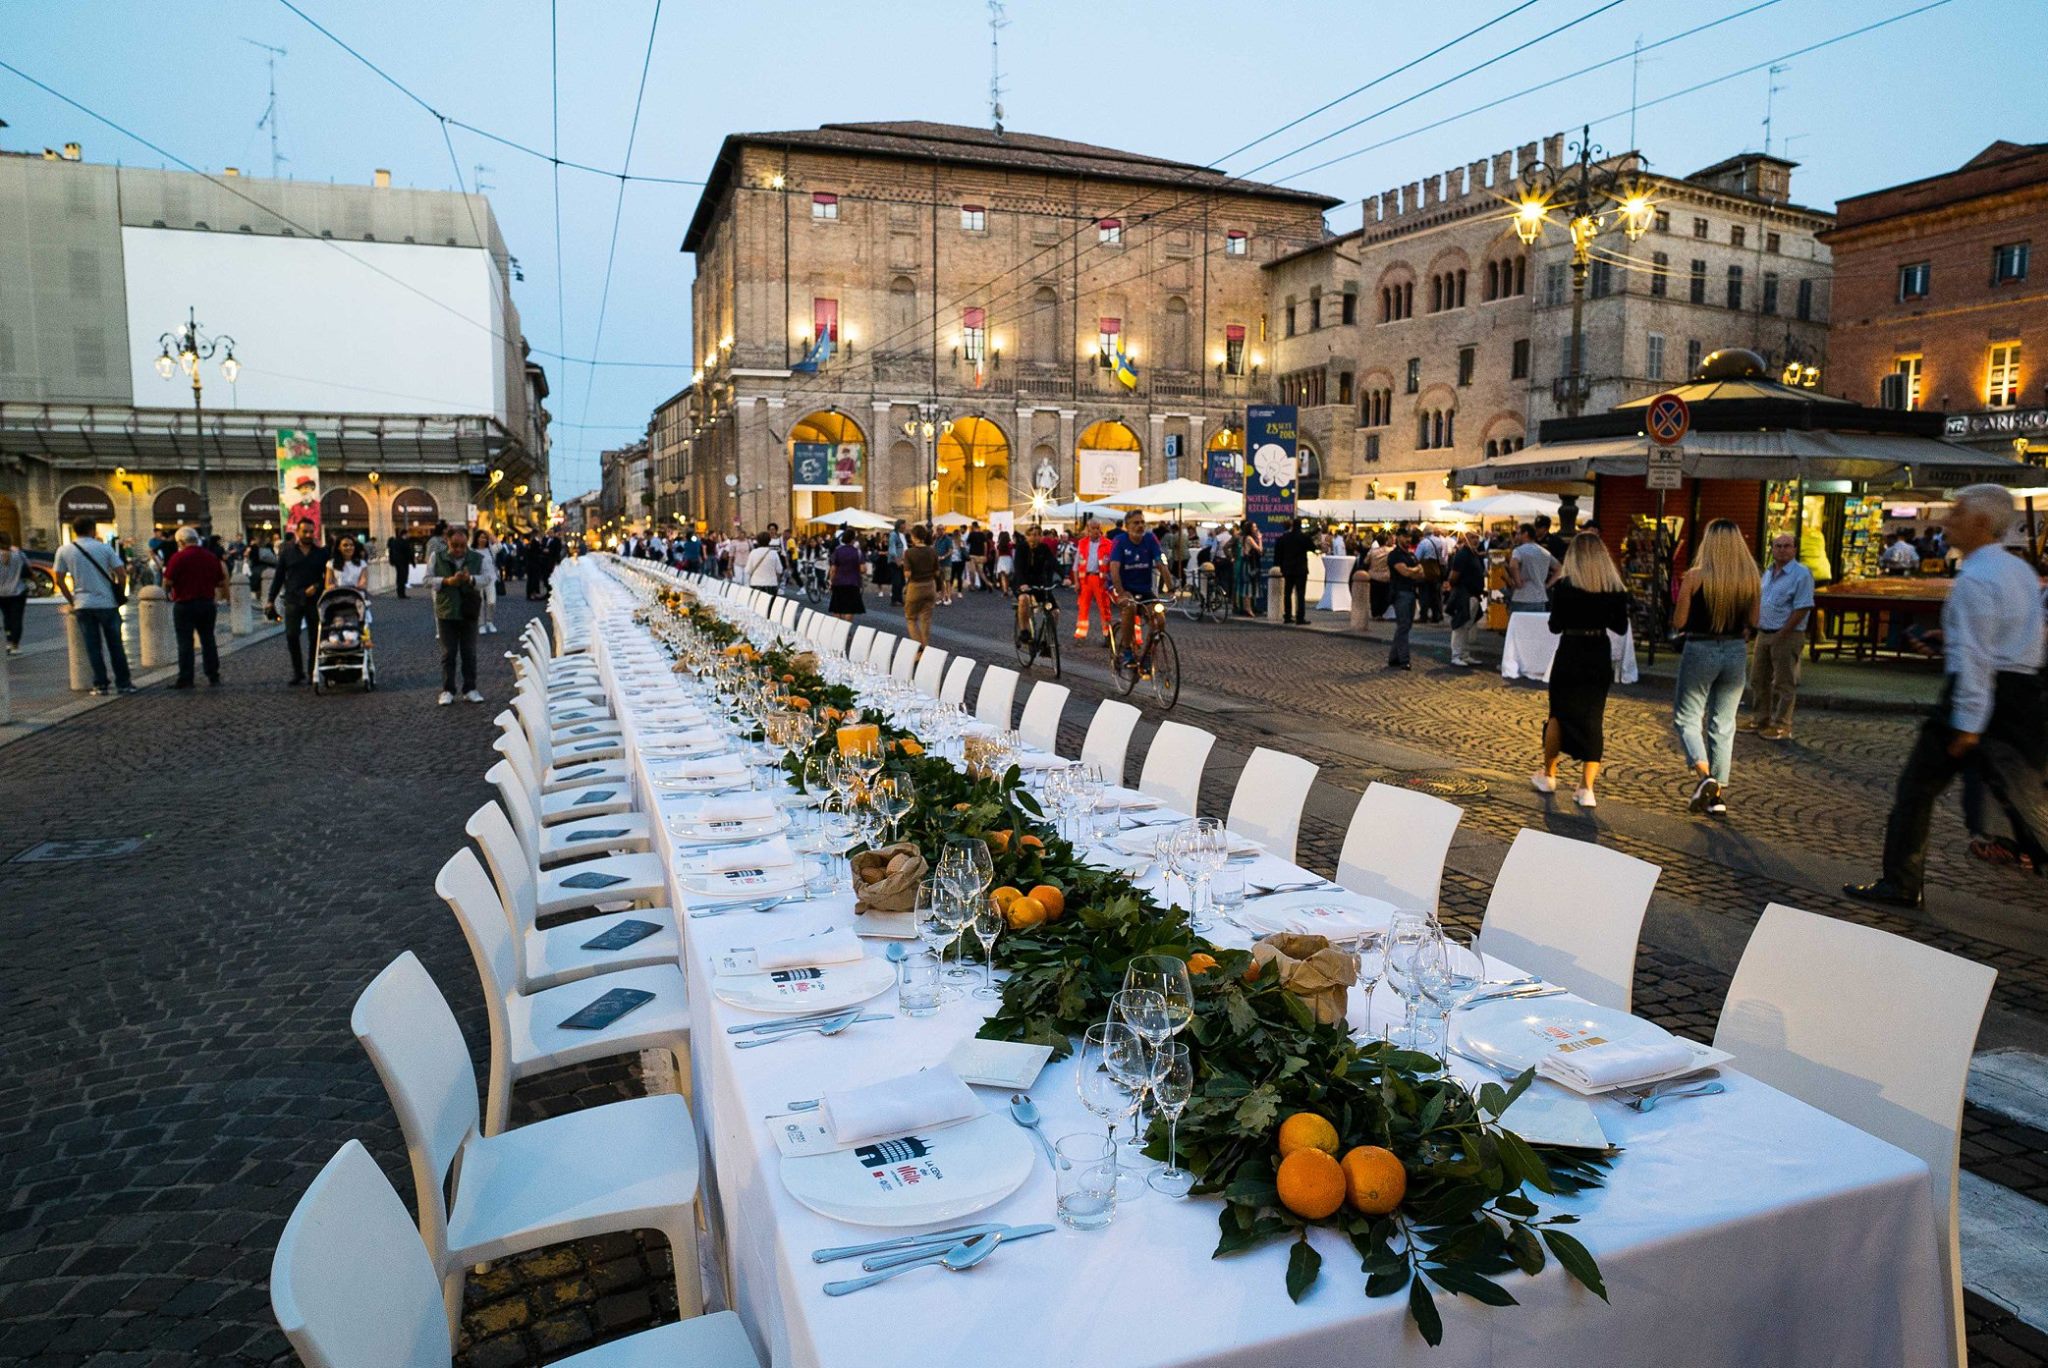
[(1272, 467), (826, 467), (298, 478), (1666, 469)]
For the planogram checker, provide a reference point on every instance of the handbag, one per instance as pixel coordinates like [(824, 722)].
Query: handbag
[(120, 594)]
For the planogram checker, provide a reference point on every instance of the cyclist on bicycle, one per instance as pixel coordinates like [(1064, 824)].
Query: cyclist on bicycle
[(1038, 573), (1136, 554)]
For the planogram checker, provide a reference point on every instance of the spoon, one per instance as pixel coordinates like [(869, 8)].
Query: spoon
[(958, 1259), (824, 1028), (1025, 1113), (895, 953), (1649, 1100)]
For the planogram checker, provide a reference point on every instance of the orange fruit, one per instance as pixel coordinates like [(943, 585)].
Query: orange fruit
[(1051, 899), (910, 747), (798, 702), (1024, 913), (1311, 1184), (1201, 962), (1004, 896), (1030, 843), (1306, 1130), (1374, 1179), (962, 807), (998, 841)]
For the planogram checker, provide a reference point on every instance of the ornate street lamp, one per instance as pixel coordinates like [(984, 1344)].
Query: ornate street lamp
[(1590, 198), (928, 427), (185, 348)]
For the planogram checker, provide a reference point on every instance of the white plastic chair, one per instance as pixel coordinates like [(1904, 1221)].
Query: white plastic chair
[(1396, 845), (1815, 1011), (1040, 724), (1266, 806), (1571, 912), (545, 846), (579, 887), (627, 1165), (997, 700), (863, 641), (905, 664), (526, 1037), (576, 792), (882, 650), (954, 690), (547, 750), (930, 671), (1108, 742), (1173, 765), (832, 635)]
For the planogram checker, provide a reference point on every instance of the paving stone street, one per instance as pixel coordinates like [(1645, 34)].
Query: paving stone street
[(176, 1060)]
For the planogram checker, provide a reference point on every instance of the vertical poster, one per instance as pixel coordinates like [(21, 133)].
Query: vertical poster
[(1270, 466), (827, 467), (1224, 468), (298, 479)]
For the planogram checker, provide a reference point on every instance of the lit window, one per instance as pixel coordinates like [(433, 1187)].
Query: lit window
[(1106, 333), (1914, 280), (1109, 232), (1908, 370), (1235, 243), (824, 319), (973, 218), (824, 206), (1233, 349), (2002, 383), (2008, 263), (973, 334)]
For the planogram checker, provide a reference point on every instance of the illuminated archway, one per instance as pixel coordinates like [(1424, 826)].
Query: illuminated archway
[(1100, 463), (974, 469), (828, 464), (1223, 458)]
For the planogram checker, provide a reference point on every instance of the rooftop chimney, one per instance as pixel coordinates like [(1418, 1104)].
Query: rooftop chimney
[(381, 178)]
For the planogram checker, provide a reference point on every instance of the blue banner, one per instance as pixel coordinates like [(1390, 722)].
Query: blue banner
[(1271, 465), (1225, 469)]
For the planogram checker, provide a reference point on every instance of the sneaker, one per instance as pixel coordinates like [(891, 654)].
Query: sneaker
[(99, 691), (1129, 660), (129, 689), (1704, 794), (445, 699), (1774, 733), (472, 697), (1717, 806), (1542, 783), (1586, 798)]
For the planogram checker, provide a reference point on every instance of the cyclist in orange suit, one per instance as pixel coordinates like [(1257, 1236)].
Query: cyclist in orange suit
[(1091, 578)]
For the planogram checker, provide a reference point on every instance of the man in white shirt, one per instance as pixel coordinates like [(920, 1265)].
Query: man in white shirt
[(87, 569), (1899, 556), (1990, 718), (1433, 555), (1785, 605)]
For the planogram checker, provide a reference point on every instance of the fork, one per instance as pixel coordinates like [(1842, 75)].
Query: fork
[(760, 905), (1646, 1100)]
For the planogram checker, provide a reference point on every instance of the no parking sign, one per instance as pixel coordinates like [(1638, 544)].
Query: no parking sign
[(1667, 420)]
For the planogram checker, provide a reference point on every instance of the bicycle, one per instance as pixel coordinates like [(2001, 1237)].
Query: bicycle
[(1202, 596), (811, 583), (1042, 637), (1156, 665)]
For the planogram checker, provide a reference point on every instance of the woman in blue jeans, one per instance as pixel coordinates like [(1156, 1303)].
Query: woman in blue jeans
[(1716, 609)]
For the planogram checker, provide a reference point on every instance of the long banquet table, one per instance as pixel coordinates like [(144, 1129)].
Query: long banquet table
[(1743, 1229)]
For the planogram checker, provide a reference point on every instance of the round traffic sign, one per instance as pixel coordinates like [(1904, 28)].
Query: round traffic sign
[(1667, 420)]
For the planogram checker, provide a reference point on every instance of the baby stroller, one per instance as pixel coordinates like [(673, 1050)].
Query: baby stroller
[(342, 653)]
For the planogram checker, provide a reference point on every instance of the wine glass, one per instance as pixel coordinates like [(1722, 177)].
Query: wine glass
[(1111, 1074), (988, 924), (1368, 951), (977, 863), (895, 794), (830, 833), (931, 915), (958, 913), (1144, 1011), (1173, 1084), (1414, 965), (1208, 846), (1166, 975)]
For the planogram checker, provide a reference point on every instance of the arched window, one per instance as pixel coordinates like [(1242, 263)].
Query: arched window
[(1492, 280), (1045, 314), (1492, 449), (902, 314), (1173, 350)]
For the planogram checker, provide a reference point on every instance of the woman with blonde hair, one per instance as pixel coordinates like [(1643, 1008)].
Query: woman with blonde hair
[(1716, 607), (1587, 602)]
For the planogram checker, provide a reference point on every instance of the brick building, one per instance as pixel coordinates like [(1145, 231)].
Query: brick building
[(846, 274), (1431, 338), (1937, 306)]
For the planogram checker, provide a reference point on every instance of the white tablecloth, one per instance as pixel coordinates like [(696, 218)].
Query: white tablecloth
[(1531, 646), (1746, 1229), (1336, 584)]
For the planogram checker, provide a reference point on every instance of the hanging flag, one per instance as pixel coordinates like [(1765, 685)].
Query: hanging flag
[(1126, 369), (818, 355)]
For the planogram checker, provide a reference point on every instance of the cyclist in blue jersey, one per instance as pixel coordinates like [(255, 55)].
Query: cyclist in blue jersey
[(1136, 554)]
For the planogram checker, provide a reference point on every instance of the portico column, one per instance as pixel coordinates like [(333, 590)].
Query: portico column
[(882, 473), (1155, 448), (1070, 469)]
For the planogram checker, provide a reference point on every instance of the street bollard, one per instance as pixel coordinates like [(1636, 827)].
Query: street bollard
[(241, 608), (131, 626), (159, 644), (1276, 597), (74, 642), (6, 692)]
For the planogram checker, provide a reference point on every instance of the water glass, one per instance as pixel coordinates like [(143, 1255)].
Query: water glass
[(1087, 1181), (1226, 891), (919, 988)]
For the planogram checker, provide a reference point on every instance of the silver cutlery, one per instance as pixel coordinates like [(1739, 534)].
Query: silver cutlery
[(799, 1023), (1305, 886), (1534, 990), (783, 1023), (823, 1028), (958, 1259), (1025, 1113), (1500, 1070), (949, 1236), (1645, 1099), (758, 905), (876, 1263)]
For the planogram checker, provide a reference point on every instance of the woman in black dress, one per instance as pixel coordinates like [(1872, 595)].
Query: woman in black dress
[(846, 565), (1587, 602)]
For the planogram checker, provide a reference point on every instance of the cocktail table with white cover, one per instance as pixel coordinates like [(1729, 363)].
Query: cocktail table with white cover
[(1530, 646), (1336, 584), (1747, 1228)]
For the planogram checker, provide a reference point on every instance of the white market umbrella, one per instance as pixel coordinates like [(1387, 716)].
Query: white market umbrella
[(1512, 504), (1182, 495), (857, 518), (1076, 509), (951, 520)]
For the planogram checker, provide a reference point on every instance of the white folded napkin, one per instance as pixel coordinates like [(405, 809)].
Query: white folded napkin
[(1595, 1063), (773, 853), (712, 767), (837, 946), (737, 807), (1040, 760), (925, 1100)]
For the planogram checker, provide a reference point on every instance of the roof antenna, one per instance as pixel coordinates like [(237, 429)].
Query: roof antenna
[(269, 119), (997, 22), (1770, 100)]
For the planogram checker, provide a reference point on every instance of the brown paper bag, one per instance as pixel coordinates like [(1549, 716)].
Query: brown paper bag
[(886, 880), (1311, 969)]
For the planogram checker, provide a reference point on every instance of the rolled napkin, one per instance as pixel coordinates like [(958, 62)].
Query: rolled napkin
[(837, 946), (926, 1100), (737, 807), (773, 853), (1593, 1063)]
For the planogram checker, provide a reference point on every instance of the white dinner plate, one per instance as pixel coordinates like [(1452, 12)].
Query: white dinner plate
[(1515, 1035), (738, 829), (916, 1179), (1145, 841), (742, 884), (1332, 913), (826, 988)]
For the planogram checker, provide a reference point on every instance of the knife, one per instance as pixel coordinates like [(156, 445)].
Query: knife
[(1510, 994), (952, 1235), (877, 1263), (798, 1024)]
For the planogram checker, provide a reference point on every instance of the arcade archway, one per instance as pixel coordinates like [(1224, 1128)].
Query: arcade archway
[(828, 464), (974, 469), (1108, 459)]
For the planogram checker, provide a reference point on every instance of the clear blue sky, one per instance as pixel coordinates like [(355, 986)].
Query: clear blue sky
[(1190, 79)]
